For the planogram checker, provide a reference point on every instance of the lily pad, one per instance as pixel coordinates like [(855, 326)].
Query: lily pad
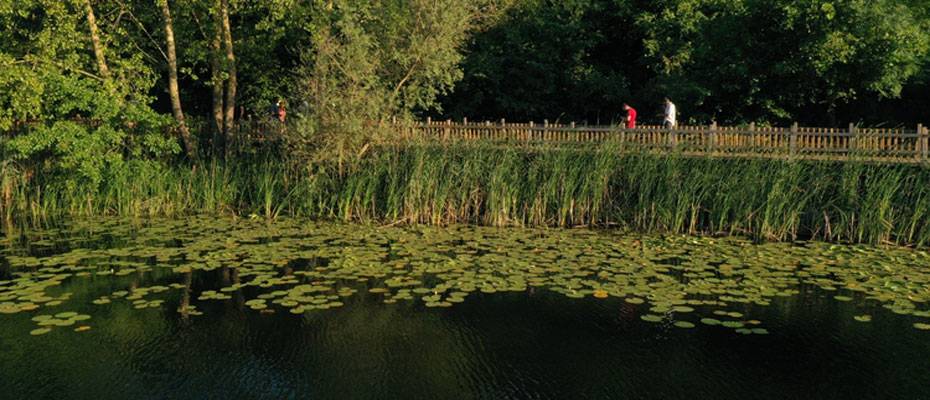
[(39, 331), (651, 318)]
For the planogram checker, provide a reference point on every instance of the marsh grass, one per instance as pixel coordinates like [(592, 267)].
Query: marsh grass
[(485, 183)]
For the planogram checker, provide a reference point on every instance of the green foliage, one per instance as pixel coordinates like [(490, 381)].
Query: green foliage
[(816, 62), (64, 119), (549, 59), (764, 60), (373, 60), (484, 183)]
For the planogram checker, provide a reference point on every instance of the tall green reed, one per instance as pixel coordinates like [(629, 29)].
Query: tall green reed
[(514, 185)]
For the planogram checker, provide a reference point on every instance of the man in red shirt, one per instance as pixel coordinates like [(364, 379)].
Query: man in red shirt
[(630, 116)]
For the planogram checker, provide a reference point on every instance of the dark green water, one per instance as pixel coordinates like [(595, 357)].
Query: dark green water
[(534, 343)]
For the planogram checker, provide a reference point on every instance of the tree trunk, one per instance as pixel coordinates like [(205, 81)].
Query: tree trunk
[(173, 91), (231, 83), (95, 40), (218, 81)]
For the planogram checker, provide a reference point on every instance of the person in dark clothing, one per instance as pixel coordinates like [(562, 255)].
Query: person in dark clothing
[(273, 110)]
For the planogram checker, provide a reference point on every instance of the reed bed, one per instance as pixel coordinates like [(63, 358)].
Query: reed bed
[(483, 183)]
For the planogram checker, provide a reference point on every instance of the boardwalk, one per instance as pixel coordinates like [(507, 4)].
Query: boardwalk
[(883, 145)]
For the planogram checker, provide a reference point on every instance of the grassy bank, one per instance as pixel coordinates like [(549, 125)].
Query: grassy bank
[(478, 183)]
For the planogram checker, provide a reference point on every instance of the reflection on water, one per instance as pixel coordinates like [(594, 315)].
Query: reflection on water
[(213, 308)]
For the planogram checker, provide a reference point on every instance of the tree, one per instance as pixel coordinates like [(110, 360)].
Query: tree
[(224, 80), (173, 91), (68, 121), (376, 60), (559, 60), (780, 60), (736, 61), (102, 68), (232, 82), (218, 77)]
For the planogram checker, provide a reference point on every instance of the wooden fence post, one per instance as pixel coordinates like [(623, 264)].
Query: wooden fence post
[(922, 142), (852, 144), (545, 132), (428, 132), (712, 142), (622, 136), (793, 140), (465, 133)]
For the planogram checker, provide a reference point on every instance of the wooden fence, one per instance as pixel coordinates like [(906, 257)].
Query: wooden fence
[(891, 145), (899, 145)]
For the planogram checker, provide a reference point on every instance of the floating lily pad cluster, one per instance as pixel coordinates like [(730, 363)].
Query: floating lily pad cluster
[(46, 322), (302, 266)]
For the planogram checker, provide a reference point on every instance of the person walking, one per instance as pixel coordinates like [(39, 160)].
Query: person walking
[(671, 114), (630, 116), (282, 111), (273, 110)]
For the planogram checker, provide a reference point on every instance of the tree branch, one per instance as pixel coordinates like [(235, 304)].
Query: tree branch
[(36, 60), (406, 77), (199, 25), (145, 31)]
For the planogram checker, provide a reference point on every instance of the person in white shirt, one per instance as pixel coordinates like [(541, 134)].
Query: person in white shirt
[(671, 114)]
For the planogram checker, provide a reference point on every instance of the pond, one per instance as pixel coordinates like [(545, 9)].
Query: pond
[(209, 307)]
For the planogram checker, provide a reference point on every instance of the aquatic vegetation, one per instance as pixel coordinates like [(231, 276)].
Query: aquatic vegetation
[(301, 266), (684, 324), (525, 185), (47, 322), (651, 318)]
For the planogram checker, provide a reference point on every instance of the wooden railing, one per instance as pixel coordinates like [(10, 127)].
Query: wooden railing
[(870, 144), (894, 145)]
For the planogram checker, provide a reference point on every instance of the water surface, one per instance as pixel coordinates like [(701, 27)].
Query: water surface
[(221, 308)]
